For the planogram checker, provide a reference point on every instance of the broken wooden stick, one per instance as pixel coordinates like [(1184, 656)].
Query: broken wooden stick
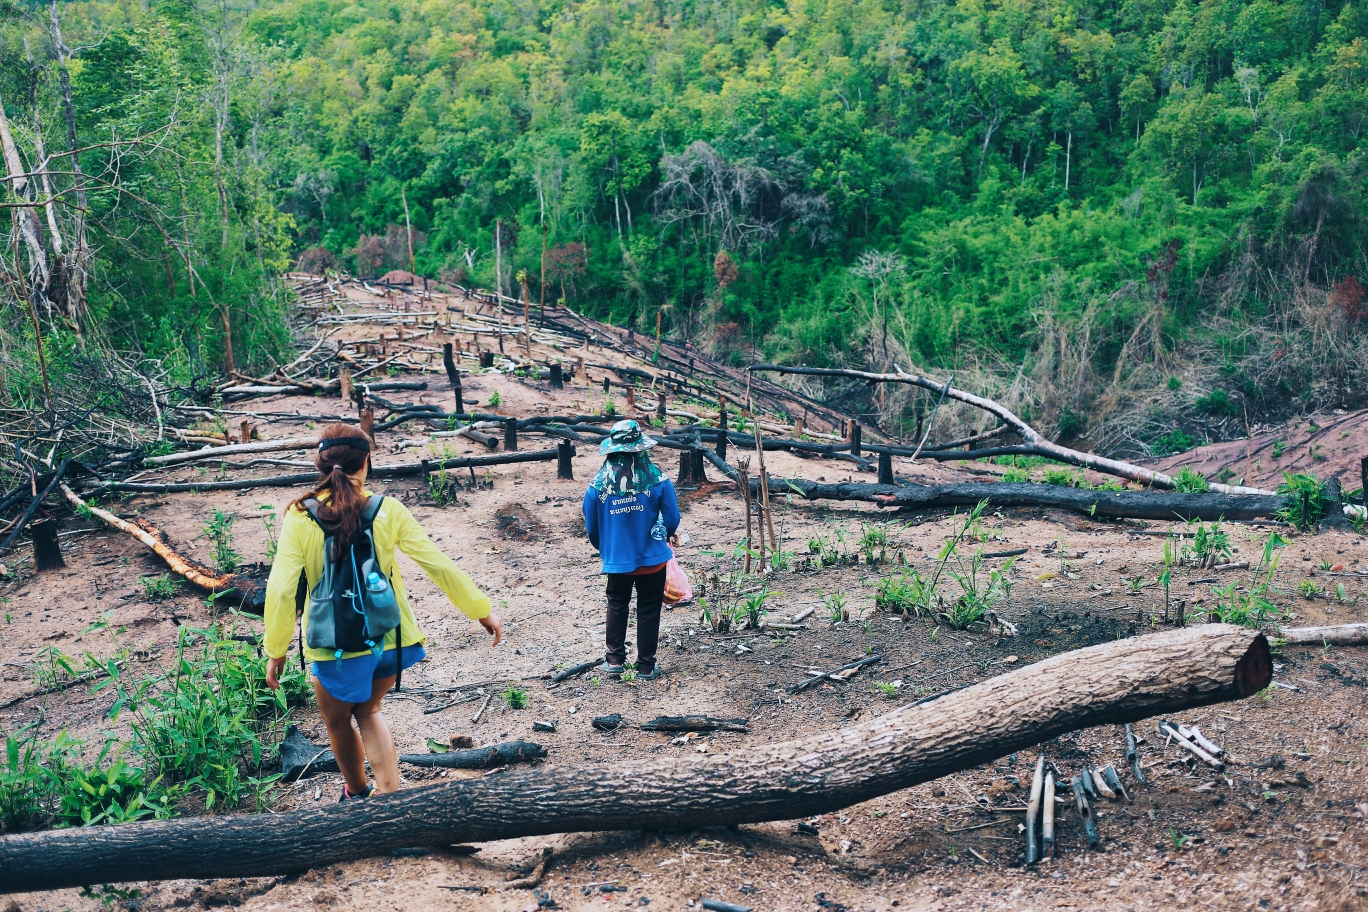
[(1114, 781), (1170, 730), (1085, 814), (483, 706), (827, 675), (1133, 757), (1047, 837), (1033, 811), (1108, 684), (1195, 735), (695, 724), (533, 879), (573, 670), (1100, 784)]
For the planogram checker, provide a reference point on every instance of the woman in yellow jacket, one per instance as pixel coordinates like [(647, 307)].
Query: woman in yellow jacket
[(351, 688)]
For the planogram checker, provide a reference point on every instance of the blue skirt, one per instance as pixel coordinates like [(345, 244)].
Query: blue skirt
[(350, 680)]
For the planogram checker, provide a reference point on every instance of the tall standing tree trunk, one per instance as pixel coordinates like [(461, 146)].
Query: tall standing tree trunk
[(26, 218), (498, 259), (1068, 160), (79, 255)]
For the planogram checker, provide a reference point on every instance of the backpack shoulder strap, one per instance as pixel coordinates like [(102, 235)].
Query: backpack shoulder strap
[(311, 506), (371, 509)]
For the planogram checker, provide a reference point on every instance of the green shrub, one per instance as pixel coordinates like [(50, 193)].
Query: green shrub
[(515, 698), (1189, 481), (160, 587), (1306, 503)]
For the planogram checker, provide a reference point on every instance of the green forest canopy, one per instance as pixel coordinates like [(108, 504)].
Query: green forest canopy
[(1100, 210)]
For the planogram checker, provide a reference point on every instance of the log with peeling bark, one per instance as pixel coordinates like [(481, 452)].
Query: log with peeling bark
[(1034, 443), (251, 592), (1112, 683), (1334, 635)]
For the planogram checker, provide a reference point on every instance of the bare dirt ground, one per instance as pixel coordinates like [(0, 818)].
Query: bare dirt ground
[(1287, 835)]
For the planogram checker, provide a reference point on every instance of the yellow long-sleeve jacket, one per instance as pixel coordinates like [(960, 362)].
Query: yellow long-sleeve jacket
[(301, 548)]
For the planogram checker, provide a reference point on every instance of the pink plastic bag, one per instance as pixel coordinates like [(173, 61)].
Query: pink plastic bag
[(677, 588)]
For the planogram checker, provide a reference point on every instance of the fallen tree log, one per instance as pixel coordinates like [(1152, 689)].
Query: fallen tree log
[(252, 593), (695, 724), (1035, 444), (1160, 505), (1335, 635), (304, 478), (264, 446), (1116, 682), (479, 757)]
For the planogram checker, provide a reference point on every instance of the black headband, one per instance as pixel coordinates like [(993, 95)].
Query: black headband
[(356, 443)]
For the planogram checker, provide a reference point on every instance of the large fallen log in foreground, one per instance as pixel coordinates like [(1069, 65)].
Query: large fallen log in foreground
[(1117, 682), (1160, 505)]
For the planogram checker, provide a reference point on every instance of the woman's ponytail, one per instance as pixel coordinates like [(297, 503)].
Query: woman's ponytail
[(343, 451)]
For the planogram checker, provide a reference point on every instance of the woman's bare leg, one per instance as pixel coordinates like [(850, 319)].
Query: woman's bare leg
[(375, 732), (346, 744)]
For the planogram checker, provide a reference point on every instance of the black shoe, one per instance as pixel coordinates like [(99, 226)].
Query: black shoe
[(348, 796)]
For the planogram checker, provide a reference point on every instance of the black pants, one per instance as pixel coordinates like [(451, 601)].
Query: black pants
[(650, 590)]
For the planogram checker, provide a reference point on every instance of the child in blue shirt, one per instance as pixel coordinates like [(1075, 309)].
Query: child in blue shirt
[(630, 510)]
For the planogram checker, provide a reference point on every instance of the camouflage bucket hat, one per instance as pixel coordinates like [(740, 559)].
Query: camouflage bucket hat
[(625, 437)]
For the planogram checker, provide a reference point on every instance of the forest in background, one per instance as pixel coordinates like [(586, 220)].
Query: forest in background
[(1138, 223)]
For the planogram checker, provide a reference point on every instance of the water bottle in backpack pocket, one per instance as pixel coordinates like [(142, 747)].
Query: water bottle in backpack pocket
[(353, 605)]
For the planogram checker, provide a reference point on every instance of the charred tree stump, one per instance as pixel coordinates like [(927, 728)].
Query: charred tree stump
[(487, 359), (1363, 480), (557, 377), (511, 435), (605, 384), (885, 469), (453, 375), (696, 473), (47, 549), (722, 427), (1113, 683), (661, 410), (854, 437), (685, 468), (565, 468), (1334, 508)]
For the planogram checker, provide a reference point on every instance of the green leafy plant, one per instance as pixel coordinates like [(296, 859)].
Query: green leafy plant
[(204, 727), (1308, 589), (1306, 503), (1134, 584), (1166, 575), (980, 591), (268, 518), (443, 487), (1251, 608), (160, 587), (1210, 544), (751, 608), (887, 689), (835, 604), (874, 542), (1189, 481), (219, 531), (1016, 475), (515, 698), (1278, 448), (903, 594), (495, 399)]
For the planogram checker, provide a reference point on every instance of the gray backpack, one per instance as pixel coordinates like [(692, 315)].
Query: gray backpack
[(353, 605)]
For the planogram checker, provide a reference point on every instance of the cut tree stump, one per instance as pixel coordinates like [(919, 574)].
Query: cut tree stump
[(47, 548), (1117, 682)]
